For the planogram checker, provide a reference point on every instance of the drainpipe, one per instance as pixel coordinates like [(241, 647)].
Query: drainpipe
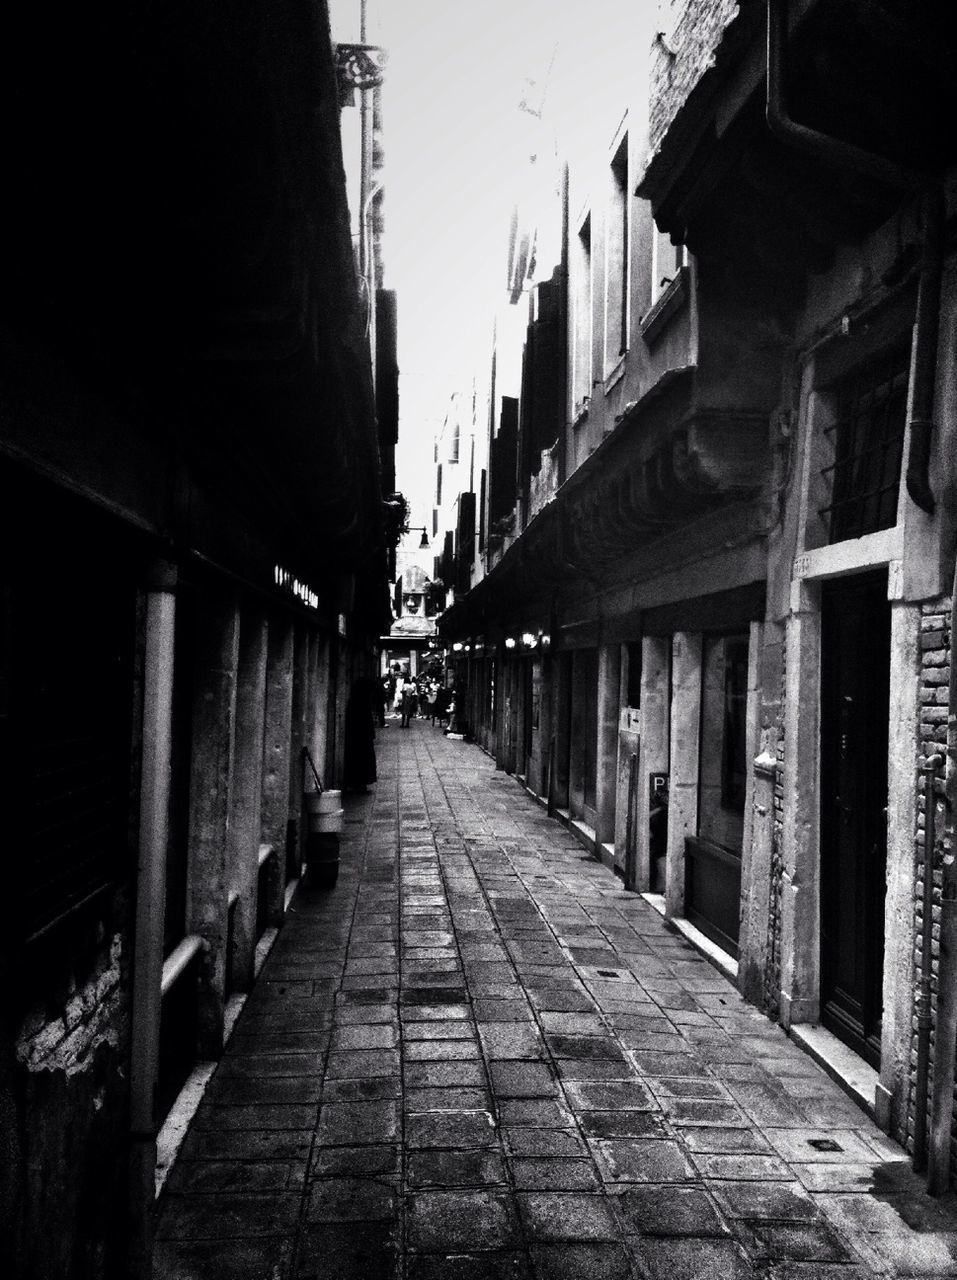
[(150, 908), (942, 1110), (924, 355), (844, 155)]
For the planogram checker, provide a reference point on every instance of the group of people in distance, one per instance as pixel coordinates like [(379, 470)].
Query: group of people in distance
[(410, 697), (425, 697)]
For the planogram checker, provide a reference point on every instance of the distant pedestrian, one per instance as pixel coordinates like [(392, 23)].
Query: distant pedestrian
[(406, 704)]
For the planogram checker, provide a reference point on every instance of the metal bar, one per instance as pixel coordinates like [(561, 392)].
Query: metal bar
[(179, 960)]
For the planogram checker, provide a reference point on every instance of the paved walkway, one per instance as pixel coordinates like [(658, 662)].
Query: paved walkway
[(479, 1057)]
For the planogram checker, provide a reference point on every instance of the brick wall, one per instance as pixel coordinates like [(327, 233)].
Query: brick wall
[(934, 694), (772, 977), (674, 75)]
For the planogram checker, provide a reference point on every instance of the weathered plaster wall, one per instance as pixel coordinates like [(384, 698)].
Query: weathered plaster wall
[(64, 1105)]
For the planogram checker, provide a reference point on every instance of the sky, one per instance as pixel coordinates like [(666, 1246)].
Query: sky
[(455, 146)]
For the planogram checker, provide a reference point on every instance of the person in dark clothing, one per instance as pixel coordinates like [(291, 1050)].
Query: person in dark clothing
[(359, 765), (380, 694)]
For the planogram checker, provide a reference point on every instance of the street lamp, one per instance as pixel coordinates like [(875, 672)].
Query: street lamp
[(424, 540)]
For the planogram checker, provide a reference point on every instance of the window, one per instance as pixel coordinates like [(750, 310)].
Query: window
[(867, 436), (633, 692), (454, 442), (722, 767), (667, 259), (582, 319), (616, 259), (438, 485)]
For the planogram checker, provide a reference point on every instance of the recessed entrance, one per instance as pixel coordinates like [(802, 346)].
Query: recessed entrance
[(855, 664)]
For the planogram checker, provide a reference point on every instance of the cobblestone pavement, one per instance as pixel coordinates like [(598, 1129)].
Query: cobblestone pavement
[(479, 1057)]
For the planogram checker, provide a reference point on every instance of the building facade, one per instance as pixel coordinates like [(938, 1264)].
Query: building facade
[(713, 632), (195, 572)]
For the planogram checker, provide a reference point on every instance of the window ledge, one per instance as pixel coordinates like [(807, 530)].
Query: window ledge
[(615, 373), (653, 323)]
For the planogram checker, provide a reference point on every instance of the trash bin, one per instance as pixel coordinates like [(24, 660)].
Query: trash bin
[(325, 813)]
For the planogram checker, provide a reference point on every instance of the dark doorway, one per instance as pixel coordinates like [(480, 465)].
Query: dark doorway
[(855, 665)]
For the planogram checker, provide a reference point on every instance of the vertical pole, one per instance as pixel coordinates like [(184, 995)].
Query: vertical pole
[(276, 748), (210, 798), (150, 907), (246, 799), (683, 788), (609, 713)]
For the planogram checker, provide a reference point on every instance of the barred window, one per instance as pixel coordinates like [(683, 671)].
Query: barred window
[(868, 440)]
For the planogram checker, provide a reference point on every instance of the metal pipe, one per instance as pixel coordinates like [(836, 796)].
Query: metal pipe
[(945, 1045), (924, 354), (838, 153), (819, 145), (928, 767), (180, 958), (150, 907)]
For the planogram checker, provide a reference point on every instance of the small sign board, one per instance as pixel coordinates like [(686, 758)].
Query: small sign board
[(658, 784)]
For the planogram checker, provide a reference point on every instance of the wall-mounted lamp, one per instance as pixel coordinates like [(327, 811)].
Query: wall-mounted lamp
[(509, 642), (457, 647), (424, 540)]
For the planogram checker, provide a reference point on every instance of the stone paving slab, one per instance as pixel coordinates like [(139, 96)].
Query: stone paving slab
[(479, 1057)]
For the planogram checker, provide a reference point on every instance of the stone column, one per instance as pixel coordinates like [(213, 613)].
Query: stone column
[(609, 706), (276, 738), (757, 842), (216, 642), (800, 889), (246, 807), (683, 783), (904, 746), (150, 906), (653, 744), (298, 737)]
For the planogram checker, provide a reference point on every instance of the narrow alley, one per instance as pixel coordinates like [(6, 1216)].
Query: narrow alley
[(478, 1056)]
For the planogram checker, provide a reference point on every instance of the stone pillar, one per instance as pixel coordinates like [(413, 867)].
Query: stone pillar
[(609, 705), (561, 710), (216, 653), (683, 783), (654, 750), (800, 889), (318, 735), (758, 837), (150, 907), (276, 738), (246, 807), (904, 746), (295, 851)]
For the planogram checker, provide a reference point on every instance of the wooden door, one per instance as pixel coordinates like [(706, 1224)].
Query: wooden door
[(855, 665)]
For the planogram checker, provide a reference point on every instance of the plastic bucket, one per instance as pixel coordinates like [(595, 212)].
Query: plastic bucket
[(323, 802), (321, 822)]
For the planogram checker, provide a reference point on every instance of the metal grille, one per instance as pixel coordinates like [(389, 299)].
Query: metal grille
[(868, 440)]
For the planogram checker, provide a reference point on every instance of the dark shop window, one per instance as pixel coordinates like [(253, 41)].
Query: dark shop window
[(633, 692), (722, 769)]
